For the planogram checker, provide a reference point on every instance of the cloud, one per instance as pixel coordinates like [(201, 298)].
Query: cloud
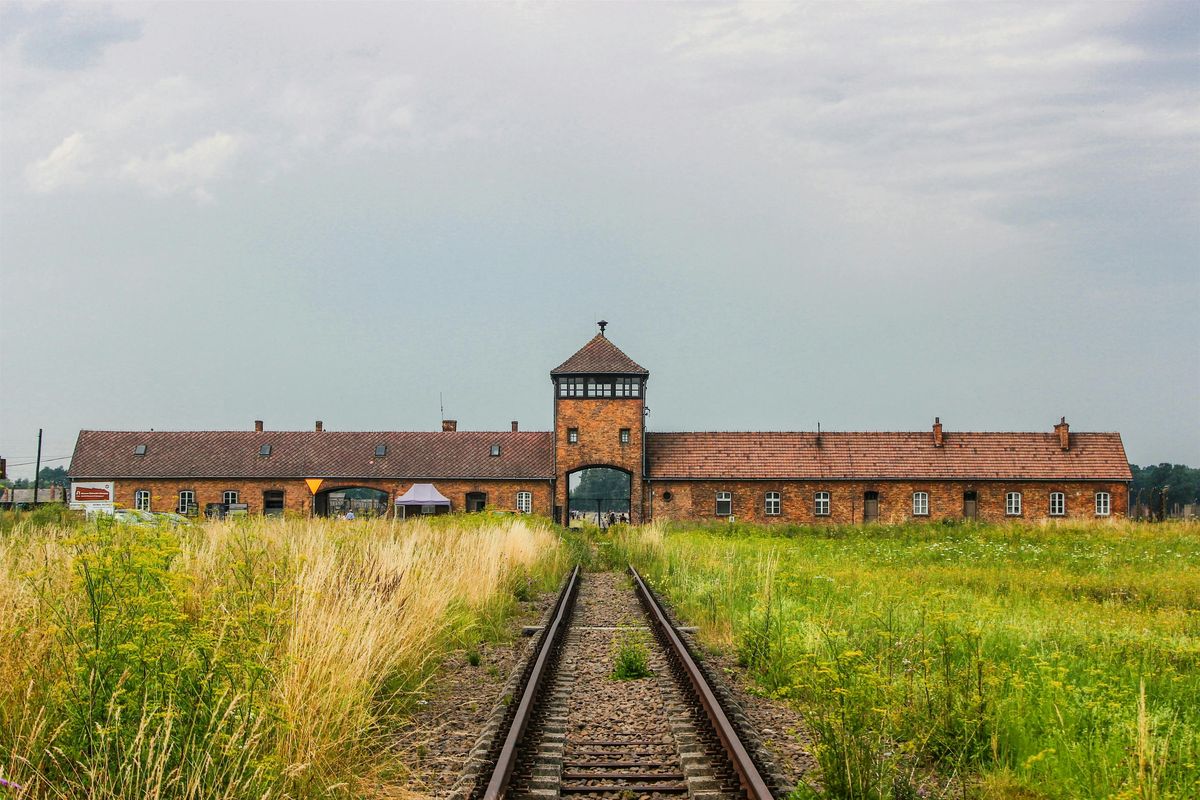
[(65, 166), (62, 37), (188, 170)]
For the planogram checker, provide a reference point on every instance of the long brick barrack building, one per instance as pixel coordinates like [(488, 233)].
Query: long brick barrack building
[(599, 421)]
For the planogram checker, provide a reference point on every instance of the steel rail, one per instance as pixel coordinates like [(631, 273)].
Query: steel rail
[(751, 779), (498, 784)]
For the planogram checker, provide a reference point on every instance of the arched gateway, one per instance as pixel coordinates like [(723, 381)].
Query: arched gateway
[(599, 420)]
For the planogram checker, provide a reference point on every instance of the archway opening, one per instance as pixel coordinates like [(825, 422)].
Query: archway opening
[(362, 501), (598, 496)]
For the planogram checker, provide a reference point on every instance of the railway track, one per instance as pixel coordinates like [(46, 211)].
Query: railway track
[(569, 729)]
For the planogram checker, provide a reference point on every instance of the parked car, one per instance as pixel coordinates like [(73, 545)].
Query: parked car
[(132, 516)]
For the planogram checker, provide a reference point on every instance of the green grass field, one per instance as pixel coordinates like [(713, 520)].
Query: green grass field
[(962, 660), (257, 658)]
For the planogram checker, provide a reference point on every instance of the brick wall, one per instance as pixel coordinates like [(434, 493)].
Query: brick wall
[(599, 422), (164, 494), (696, 500)]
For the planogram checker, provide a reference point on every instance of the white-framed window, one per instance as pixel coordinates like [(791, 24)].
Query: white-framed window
[(229, 497), (724, 504), (624, 435), (628, 387), (773, 504), (494, 452), (597, 387), (525, 502), (1012, 504), (141, 499), (572, 435), (187, 499), (1058, 504), (920, 504), (429, 509), (570, 387), (821, 504), (1103, 504)]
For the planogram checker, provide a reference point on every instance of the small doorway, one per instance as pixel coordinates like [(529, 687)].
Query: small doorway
[(273, 503), (970, 505), (870, 506), (476, 501)]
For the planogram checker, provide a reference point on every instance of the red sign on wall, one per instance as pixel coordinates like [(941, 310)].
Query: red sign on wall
[(92, 494)]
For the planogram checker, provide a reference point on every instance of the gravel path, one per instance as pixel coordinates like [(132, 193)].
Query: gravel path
[(451, 716)]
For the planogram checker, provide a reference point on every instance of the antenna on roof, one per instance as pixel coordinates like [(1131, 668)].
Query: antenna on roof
[(818, 433), (441, 407)]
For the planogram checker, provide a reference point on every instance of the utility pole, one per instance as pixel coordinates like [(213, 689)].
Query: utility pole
[(37, 470)]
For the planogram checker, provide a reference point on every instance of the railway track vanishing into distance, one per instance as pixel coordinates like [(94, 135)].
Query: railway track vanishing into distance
[(567, 728)]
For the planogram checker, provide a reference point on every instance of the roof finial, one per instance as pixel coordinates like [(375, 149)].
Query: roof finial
[(603, 324)]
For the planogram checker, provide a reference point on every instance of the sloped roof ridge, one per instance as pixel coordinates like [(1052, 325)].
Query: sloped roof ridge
[(600, 355), (302, 430), (922, 432)]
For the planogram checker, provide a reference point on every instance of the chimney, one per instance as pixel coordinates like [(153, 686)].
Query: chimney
[(937, 431), (449, 425), (1064, 433), (258, 426), (514, 424), (320, 426)]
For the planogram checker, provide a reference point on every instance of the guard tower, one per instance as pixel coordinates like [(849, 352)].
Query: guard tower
[(599, 419)]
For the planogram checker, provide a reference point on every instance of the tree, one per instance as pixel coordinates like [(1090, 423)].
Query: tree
[(608, 486), (1181, 483)]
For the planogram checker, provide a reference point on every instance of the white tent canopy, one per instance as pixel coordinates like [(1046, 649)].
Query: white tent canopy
[(422, 494)]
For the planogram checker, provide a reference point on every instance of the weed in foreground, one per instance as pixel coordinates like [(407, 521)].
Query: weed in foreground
[(631, 660)]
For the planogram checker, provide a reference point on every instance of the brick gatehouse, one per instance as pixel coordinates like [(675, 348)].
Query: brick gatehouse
[(599, 421)]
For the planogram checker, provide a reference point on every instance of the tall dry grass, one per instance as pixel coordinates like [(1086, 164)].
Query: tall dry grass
[(260, 658)]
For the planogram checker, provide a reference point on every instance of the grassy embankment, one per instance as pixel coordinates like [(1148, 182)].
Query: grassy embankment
[(252, 659), (991, 661)]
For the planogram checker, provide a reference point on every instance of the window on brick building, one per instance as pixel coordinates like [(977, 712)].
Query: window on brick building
[(597, 387), (229, 497), (141, 499), (187, 502), (628, 387), (724, 504), (1058, 504), (773, 504), (821, 504), (572, 435), (920, 504), (1103, 504), (570, 387), (525, 502), (624, 435), (1012, 504)]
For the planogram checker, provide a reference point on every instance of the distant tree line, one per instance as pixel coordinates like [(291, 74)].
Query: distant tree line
[(51, 476), (1181, 484)]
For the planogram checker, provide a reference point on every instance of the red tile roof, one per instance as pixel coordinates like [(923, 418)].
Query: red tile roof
[(866, 456), (600, 356), (313, 454)]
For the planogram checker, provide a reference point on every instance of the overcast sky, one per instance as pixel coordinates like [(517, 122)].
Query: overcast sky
[(862, 215)]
